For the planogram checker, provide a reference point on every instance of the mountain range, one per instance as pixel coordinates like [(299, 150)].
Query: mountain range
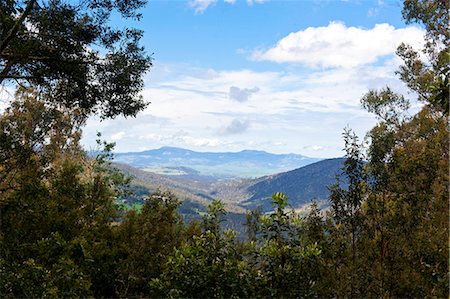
[(243, 164), (301, 185)]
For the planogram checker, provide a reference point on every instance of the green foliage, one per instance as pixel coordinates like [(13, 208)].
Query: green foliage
[(386, 234), (429, 79), (345, 224), (287, 261), (52, 273), (277, 263), (209, 265), (145, 239), (52, 200), (212, 220), (69, 51), (407, 207), (345, 203), (405, 226), (386, 104), (432, 14)]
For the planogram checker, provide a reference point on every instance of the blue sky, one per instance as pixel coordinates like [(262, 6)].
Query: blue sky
[(175, 32), (280, 76)]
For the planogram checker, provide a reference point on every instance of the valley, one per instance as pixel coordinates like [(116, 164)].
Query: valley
[(184, 173)]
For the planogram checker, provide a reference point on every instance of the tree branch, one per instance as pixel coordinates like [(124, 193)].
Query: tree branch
[(15, 77), (47, 58), (15, 28)]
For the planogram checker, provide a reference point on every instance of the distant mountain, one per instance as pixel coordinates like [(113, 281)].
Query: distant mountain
[(244, 164), (300, 185), (196, 191)]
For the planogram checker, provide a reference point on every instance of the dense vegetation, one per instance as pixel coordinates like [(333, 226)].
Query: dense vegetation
[(63, 235)]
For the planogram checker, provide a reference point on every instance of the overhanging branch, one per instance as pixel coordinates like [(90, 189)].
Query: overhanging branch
[(15, 77), (11, 57), (15, 28)]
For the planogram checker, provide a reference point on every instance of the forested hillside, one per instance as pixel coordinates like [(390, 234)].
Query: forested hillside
[(301, 185), (64, 235)]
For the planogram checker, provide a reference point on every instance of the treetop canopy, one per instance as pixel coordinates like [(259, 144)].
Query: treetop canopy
[(68, 50)]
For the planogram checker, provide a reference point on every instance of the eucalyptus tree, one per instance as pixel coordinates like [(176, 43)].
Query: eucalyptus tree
[(408, 164), (70, 51)]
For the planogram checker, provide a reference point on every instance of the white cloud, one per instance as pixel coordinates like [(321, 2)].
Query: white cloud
[(202, 142), (201, 5), (117, 136), (291, 112), (229, 1), (315, 147), (241, 95), (337, 45), (182, 138)]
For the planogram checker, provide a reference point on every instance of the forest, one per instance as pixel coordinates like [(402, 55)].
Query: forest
[(63, 233)]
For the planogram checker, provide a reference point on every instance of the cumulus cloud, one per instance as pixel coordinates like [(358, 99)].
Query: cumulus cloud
[(337, 45), (235, 127), (201, 5), (229, 1), (241, 95)]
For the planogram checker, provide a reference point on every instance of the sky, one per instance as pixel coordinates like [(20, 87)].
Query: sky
[(278, 76)]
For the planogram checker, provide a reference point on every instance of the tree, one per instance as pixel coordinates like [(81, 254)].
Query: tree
[(348, 217), (407, 206), (429, 79), (145, 240), (68, 50), (287, 260), (406, 210), (208, 265), (56, 204), (57, 207)]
